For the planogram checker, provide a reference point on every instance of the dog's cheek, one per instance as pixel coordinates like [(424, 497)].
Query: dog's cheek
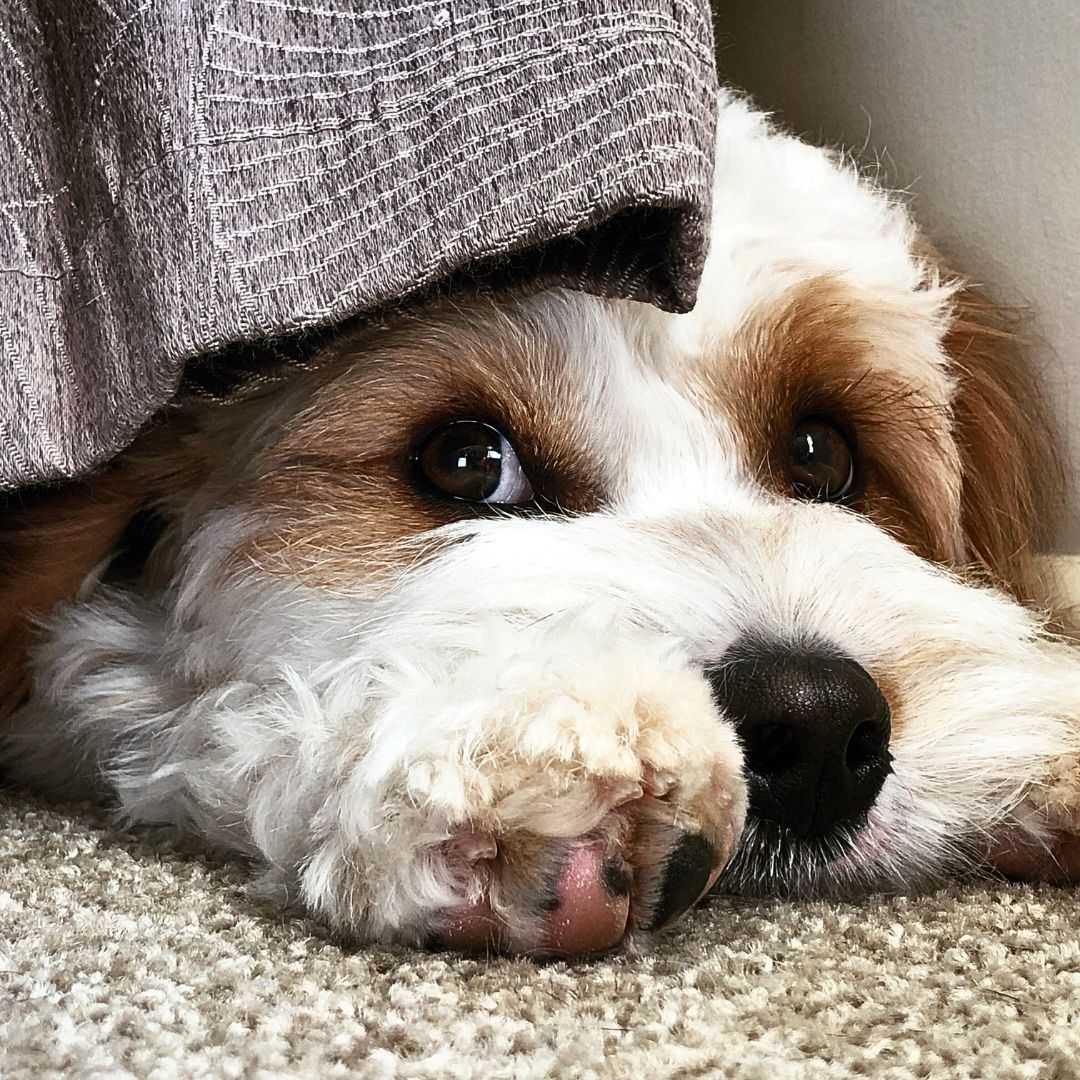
[(1054, 858)]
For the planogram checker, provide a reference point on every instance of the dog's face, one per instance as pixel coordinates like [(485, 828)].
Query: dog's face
[(509, 568)]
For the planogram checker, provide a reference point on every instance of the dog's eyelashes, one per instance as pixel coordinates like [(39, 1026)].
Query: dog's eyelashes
[(820, 461), (474, 462)]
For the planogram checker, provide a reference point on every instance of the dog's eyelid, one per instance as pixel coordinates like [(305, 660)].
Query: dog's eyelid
[(514, 485)]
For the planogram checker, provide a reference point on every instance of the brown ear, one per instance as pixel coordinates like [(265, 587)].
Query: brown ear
[(1012, 477), (52, 537)]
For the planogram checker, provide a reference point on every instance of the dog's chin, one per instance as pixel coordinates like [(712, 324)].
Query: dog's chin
[(848, 861), (774, 860)]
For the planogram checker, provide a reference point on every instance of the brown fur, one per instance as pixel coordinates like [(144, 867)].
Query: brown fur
[(815, 357), (1012, 479), (334, 487), (971, 483), (51, 538), (339, 488)]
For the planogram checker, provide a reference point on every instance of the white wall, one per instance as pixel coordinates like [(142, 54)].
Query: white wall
[(972, 104)]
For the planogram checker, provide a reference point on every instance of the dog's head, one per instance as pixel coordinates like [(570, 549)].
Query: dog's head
[(821, 487)]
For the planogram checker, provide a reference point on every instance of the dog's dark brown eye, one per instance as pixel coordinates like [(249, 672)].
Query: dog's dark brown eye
[(473, 461), (820, 461)]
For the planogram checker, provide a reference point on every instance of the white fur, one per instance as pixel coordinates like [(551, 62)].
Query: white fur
[(520, 677)]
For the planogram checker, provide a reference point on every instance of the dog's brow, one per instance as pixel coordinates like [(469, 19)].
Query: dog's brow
[(830, 350)]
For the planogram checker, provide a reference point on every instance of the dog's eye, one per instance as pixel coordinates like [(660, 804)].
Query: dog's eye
[(820, 461), (475, 462)]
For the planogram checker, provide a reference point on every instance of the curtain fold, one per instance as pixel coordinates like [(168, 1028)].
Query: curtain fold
[(177, 176)]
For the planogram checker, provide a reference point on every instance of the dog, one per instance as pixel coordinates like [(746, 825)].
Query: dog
[(521, 622)]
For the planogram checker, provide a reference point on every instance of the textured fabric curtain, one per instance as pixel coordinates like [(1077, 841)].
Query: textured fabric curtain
[(179, 175)]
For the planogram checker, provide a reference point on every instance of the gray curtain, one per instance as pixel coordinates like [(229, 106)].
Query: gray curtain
[(178, 176)]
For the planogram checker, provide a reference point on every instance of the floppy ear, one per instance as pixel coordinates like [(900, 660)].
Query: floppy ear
[(53, 537), (1012, 493), (50, 540), (1012, 478)]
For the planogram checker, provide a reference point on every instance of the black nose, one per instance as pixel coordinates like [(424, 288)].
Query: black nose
[(815, 730)]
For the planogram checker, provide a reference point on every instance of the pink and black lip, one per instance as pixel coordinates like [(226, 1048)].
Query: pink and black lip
[(592, 899)]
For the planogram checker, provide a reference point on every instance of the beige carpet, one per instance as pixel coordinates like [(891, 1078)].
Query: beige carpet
[(128, 957)]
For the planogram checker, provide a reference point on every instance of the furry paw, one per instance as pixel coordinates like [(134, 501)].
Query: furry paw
[(1042, 841), (1053, 857), (554, 795)]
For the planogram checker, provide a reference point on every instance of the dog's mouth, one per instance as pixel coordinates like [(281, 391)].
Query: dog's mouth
[(882, 851), (774, 860)]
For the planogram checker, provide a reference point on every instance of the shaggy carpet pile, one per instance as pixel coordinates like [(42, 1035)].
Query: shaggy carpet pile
[(131, 956)]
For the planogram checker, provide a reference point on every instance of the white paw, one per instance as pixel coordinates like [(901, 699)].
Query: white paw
[(553, 794)]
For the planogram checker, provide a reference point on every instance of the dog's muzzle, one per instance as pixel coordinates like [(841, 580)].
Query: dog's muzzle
[(815, 731)]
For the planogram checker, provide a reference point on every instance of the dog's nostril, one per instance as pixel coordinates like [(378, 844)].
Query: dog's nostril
[(772, 749), (867, 744)]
